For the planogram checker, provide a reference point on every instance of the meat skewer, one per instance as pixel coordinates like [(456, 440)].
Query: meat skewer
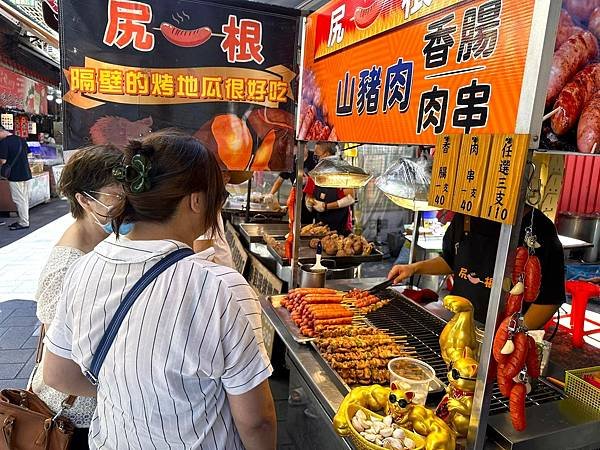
[(573, 98), (568, 60)]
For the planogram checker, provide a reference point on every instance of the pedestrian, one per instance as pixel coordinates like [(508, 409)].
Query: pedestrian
[(187, 367), (14, 166), (91, 190)]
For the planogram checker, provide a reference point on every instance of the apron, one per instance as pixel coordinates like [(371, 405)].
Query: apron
[(474, 269), (337, 219)]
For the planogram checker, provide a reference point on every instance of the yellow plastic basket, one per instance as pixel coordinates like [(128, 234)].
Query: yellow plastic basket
[(578, 388), (362, 444)]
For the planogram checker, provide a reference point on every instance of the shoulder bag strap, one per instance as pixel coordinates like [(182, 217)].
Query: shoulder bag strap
[(125, 306)]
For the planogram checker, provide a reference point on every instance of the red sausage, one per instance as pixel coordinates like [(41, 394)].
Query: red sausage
[(513, 304), (517, 406), (588, 130), (594, 25), (581, 9), (521, 256), (499, 341), (569, 59), (566, 29), (516, 360), (533, 362), (533, 278), (365, 16), (185, 38), (505, 384), (574, 96)]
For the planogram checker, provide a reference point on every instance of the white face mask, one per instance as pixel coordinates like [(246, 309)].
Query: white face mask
[(106, 227)]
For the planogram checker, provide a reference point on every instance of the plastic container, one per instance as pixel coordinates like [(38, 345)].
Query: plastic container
[(310, 278), (578, 388), (411, 375)]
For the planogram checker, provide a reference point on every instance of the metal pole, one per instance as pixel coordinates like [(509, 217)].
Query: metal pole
[(529, 120), (248, 199), (297, 210)]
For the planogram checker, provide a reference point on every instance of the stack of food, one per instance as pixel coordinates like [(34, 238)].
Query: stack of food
[(335, 245), (311, 308), (313, 112), (366, 302), (574, 89), (278, 246), (314, 230), (359, 354)]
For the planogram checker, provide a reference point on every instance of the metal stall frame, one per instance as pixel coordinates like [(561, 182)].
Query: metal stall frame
[(529, 121)]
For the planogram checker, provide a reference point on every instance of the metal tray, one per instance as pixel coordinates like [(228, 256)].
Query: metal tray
[(307, 255), (284, 315), (253, 232)]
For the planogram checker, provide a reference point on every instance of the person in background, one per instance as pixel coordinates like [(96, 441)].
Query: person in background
[(221, 253), (469, 253), (331, 205), (310, 162), (188, 367), (14, 166), (91, 191)]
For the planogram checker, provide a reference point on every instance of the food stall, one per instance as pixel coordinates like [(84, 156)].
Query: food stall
[(470, 107)]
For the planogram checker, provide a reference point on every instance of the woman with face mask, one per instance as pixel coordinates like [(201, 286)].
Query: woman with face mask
[(91, 190), (186, 366)]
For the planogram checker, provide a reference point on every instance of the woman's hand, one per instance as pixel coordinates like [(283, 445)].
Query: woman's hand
[(401, 272)]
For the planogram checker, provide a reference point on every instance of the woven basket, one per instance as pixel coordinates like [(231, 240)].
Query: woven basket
[(578, 388), (361, 443)]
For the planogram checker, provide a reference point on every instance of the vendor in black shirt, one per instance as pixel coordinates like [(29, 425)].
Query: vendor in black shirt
[(309, 164), (469, 253)]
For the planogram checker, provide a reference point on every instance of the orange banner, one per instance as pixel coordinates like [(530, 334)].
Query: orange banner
[(97, 83), (458, 70)]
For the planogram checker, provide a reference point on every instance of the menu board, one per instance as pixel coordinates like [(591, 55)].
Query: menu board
[(224, 72), (406, 72)]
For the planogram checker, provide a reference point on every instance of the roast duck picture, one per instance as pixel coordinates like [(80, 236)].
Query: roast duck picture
[(573, 96)]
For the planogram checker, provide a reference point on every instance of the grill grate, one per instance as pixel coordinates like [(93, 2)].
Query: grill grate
[(422, 330)]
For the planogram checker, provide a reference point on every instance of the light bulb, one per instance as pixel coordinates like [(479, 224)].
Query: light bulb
[(50, 97), (59, 100)]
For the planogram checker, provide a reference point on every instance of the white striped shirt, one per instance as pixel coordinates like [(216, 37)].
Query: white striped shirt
[(190, 338)]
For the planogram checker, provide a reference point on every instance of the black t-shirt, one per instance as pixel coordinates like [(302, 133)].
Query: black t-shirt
[(309, 164), (14, 150), (473, 259)]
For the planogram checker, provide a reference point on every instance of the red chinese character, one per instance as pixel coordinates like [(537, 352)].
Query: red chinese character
[(126, 24), (242, 43)]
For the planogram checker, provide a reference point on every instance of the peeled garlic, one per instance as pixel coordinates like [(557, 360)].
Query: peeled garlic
[(392, 444), (377, 426), (398, 433), (528, 388), (409, 443), (360, 414), (518, 288), (357, 425), (508, 348), (386, 432), (378, 442), (370, 437), (387, 420)]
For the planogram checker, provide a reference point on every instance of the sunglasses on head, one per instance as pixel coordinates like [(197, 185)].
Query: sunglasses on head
[(402, 403)]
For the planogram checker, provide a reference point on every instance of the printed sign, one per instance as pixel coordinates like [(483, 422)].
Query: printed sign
[(443, 174), (471, 174), (505, 171), (7, 121), (19, 92), (224, 72), (458, 70)]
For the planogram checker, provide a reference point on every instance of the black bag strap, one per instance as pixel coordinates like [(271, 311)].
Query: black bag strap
[(125, 306)]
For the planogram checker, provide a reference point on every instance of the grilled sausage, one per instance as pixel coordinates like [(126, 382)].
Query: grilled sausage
[(588, 130), (581, 9), (569, 59), (517, 406), (533, 278), (574, 96), (566, 29), (594, 25)]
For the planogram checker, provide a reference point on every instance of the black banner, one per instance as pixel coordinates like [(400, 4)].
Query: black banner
[(224, 72)]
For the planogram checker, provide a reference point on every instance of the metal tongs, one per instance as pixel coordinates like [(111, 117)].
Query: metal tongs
[(380, 287)]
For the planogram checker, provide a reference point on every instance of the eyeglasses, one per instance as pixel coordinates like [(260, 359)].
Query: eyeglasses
[(117, 196), (457, 376)]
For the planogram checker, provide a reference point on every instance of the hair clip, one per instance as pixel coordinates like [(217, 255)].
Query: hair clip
[(136, 174)]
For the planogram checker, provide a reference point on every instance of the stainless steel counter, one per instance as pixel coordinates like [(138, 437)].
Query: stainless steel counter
[(556, 425)]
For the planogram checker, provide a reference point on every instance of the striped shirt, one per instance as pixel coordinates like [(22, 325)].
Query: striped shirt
[(192, 337)]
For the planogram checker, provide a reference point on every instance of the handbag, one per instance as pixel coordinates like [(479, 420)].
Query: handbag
[(26, 422)]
